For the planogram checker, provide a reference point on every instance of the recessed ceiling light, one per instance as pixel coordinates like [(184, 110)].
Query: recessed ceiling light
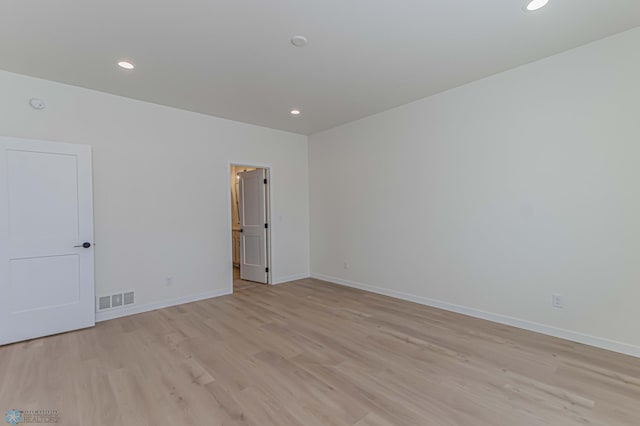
[(295, 112), (126, 65), (299, 41), (535, 5)]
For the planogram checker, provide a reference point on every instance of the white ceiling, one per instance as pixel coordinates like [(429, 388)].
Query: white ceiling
[(233, 58)]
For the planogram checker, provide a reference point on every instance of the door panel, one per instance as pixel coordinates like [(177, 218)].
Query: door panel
[(63, 285), (46, 210), (253, 217), (42, 182), (253, 252)]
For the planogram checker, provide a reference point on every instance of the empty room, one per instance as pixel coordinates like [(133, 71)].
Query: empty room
[(350, 213)]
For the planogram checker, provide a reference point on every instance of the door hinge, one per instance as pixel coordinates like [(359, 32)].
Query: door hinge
[(266, 225), (265, 181), (266, 269)]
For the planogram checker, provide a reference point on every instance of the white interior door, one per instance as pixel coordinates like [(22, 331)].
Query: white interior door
[(46, 215), (253, 225)]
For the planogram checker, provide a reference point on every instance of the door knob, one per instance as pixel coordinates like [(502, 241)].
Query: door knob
[(85, 245)]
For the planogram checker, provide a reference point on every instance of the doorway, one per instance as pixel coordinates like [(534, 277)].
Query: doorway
[(250, 231)]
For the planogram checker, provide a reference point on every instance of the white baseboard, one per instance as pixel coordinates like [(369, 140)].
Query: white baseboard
[(573, 336), (138, 309), (282, 280)]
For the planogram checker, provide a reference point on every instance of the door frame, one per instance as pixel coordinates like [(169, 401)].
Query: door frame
[(267, 193)]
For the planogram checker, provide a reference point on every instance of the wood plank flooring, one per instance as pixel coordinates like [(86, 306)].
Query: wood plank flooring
[(313, 353), (240, 284)]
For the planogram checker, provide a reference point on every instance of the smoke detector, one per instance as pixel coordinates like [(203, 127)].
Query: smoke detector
[(37, 103), (299, 41)]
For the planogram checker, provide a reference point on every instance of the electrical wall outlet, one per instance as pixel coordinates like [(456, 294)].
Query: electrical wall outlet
[(168, 281), (346, 265), (557, 301)]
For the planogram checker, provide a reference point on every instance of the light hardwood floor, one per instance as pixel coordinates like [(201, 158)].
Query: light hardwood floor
[(313, 353), (239, 284)]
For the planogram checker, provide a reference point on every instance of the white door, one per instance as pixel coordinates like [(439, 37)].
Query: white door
[(46, 215), (253, 226)]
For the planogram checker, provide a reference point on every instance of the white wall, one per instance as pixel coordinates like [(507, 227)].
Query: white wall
[(161, 186), (490, 197)]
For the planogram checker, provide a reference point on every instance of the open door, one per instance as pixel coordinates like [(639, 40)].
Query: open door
[(46, 239), (253, 226)]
